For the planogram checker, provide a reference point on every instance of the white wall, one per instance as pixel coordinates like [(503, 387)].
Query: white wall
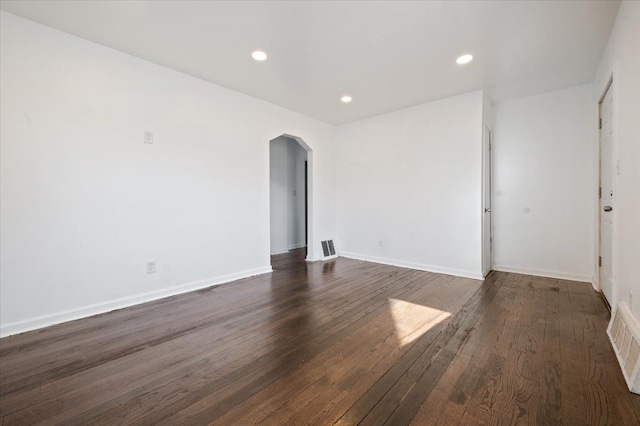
[(412, 179), (543, 184), (287, 159), (85, 203), (279, 193), (487, 111), (296, 156), (621, 58)]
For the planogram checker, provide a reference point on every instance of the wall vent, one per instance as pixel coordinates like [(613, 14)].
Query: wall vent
[(328, 250), (624, 334)]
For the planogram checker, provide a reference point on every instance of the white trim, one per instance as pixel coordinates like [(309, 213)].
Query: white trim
[(280, 251), (35, 323), (601, 88), (594, 284), (482, 190), (412, 265), (596, 197), (609, 84), (543, 273), (287, 249)]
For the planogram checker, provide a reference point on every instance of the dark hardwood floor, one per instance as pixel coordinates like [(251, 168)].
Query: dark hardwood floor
[(342, 342)]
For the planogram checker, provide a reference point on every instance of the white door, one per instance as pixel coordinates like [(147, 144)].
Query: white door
[(487, 232), (606, 194)]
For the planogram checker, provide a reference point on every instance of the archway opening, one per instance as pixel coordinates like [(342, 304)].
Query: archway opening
[(290, 167)]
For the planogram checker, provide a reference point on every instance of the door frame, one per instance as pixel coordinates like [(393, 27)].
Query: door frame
[(608, 86), (306, 206), (487, 175)]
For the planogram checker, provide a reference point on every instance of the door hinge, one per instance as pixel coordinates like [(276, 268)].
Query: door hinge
[(600, 123), (600, 192), (600, 261)]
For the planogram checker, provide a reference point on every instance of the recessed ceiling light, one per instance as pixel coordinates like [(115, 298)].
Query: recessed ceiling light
[(346, 99), (464, 59), (259, 55)]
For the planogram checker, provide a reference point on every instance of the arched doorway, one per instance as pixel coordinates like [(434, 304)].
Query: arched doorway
[(290, 194)]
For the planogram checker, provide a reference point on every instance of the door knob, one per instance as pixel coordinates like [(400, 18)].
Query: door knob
[(608, 208), (487, 210)]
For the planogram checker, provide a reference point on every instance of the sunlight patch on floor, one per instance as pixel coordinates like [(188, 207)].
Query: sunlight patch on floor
[(412, 320)]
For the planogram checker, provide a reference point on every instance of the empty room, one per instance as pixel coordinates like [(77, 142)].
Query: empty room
[(319, 212)]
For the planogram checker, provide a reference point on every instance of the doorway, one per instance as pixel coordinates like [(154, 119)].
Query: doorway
[(487, 219), (289, 195), (606, 193)]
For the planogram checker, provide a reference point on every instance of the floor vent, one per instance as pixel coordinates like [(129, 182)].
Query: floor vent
[(624, 334), (328, 250)]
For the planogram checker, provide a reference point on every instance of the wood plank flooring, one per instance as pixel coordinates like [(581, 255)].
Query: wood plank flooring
[(343, 342)]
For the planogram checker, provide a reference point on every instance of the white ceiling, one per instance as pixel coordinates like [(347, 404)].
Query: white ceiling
[(387, 55)]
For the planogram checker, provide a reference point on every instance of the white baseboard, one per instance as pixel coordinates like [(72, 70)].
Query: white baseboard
[(35, 323), (594, 283), (417, 266), (287, 249), (543, 273), (333, 256)]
